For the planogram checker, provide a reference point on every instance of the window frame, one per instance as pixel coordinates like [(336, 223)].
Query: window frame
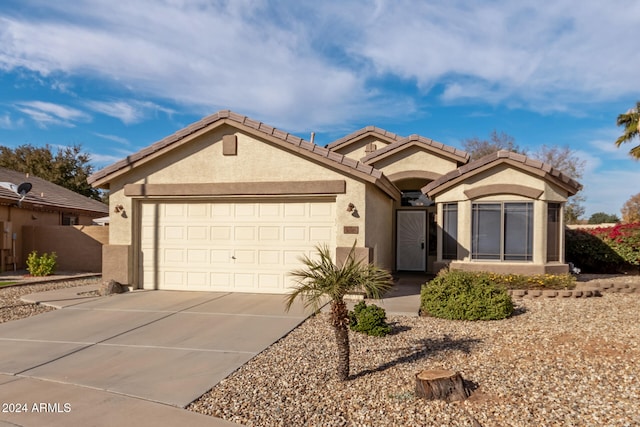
[(449, 231), (501, 229), (554, 232)]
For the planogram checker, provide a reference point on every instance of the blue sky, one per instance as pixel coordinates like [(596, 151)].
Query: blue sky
[(116, 76)]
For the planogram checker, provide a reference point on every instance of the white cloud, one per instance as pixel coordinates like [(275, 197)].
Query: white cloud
[(47, 113), (114, 138), (102, 160), (129, 111), (546, 57), (6, 122), (308, 65)]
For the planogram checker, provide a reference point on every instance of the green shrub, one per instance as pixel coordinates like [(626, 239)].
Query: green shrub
[(461, 295), (43, 265), (370, 319)]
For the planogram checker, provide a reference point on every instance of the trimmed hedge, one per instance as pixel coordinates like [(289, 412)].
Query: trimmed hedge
[(462, 295), (535, 281), (604, 249)]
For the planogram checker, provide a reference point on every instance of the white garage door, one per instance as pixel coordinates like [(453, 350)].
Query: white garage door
[(241, 247)]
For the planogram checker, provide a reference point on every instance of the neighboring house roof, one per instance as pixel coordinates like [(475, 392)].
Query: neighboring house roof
[(536, 167), (356, 136), (416, 140), (46, 195), (283, 139)]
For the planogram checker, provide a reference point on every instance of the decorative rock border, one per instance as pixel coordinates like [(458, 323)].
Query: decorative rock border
[(582, 290)]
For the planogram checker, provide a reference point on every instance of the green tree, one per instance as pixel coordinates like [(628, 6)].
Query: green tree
[(630, 121), (477, 147), (68, 167), (603, 218), (322, 279), (631, 210)]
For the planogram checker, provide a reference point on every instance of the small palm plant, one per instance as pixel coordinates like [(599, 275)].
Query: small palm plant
[(322, 279)]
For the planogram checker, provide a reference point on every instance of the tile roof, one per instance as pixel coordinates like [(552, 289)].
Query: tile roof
[(460, 155), (225, 116), (354, 136), (45, 194), (572, 185)]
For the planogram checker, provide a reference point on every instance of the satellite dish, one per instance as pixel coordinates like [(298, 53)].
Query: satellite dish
[(24, 188), (21, 190)]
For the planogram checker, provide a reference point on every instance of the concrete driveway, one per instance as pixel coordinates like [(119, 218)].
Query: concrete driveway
[(160, 346)]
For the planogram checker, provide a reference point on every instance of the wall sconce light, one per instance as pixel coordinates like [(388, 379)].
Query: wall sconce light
[(352, 208), (118, 208)]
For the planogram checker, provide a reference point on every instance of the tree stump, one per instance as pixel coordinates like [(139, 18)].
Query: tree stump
[(440, 384)]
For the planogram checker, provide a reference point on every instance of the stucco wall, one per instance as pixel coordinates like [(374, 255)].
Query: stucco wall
[(380, 228), (357, 149), (202, 161), (79, 247), (415, 158)]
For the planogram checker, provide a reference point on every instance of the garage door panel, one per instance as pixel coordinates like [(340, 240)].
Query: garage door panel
[(295, 234), (221, 256), (244, 280), (172, 210), (173, 232), (269, 257), (174, 256), (269, 233), (269, 210), (269, 281), (244, 246), (197, 256), (220, 280), (221, 233), (295, 211), (244, 257), (245, 210), (198, 233), (245, 233), (198, 210), (321, 234), (197, 279)]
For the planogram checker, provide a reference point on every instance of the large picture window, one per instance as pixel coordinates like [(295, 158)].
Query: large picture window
[(450, 231), (502, 231)]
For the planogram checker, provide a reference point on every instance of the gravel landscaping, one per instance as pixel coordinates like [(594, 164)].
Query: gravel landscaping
[(12, 308), (557, 362)]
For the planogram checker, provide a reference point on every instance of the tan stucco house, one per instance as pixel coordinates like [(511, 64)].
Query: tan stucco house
[(48, 218), (230, 204)]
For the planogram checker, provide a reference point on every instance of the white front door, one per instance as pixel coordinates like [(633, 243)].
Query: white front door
[(411, 240)]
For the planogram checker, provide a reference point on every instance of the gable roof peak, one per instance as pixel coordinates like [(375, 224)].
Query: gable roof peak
[(360, 133), (502, 156), (459, 156)]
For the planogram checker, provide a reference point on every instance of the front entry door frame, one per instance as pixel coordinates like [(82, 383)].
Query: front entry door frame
[(411, 240)]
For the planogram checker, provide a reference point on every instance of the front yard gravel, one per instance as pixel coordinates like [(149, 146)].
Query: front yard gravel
[(557, 362), (12, 308)]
